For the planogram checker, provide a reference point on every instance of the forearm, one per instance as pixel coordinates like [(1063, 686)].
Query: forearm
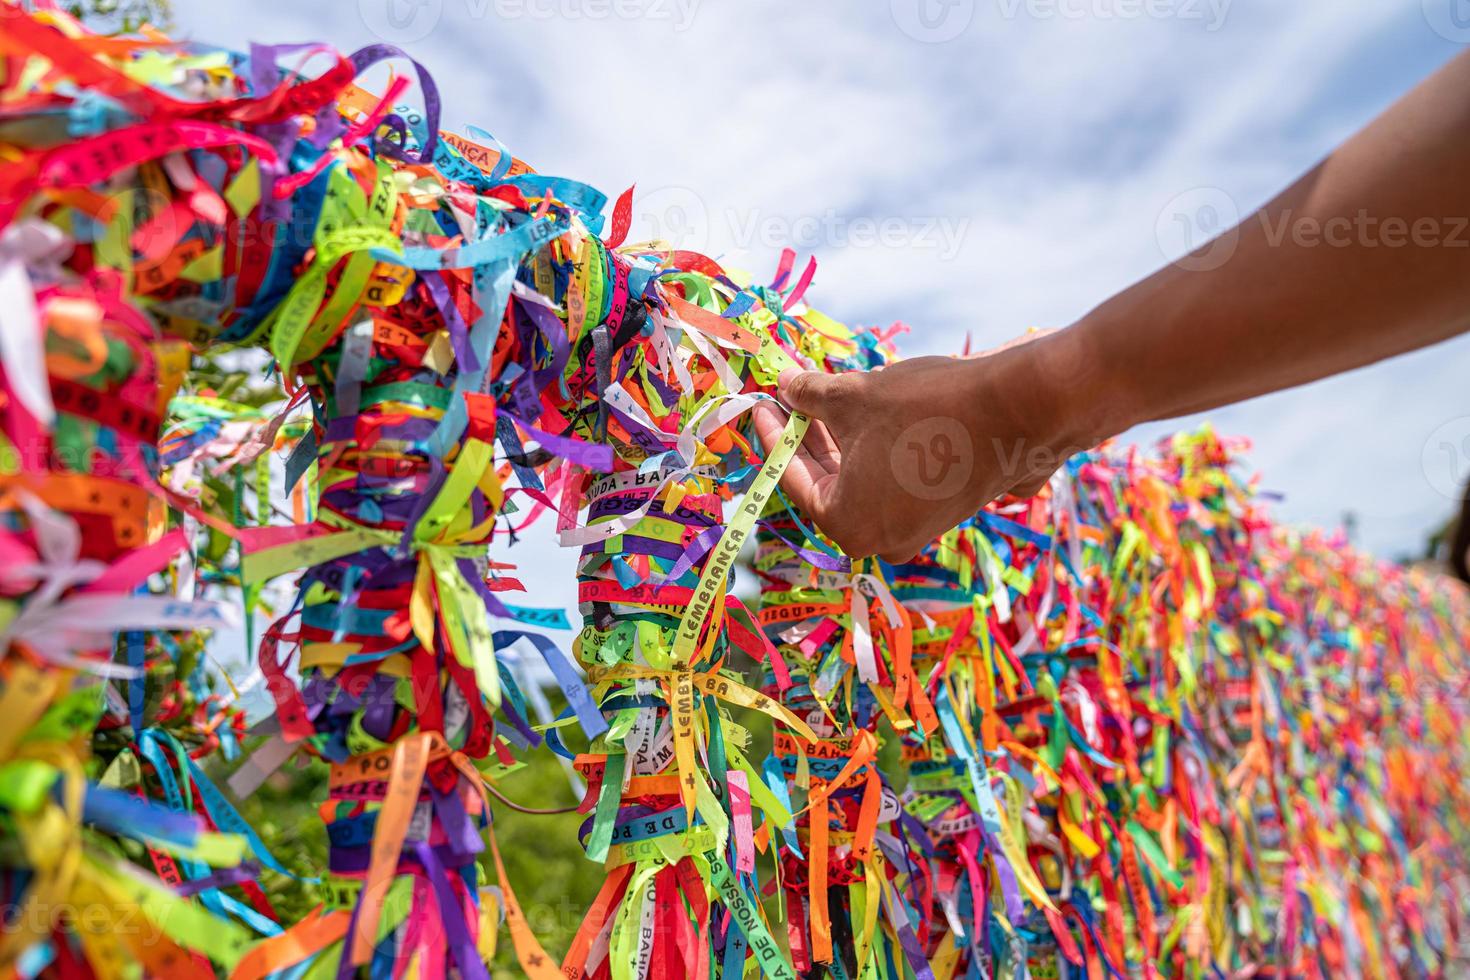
[(1365, 257)]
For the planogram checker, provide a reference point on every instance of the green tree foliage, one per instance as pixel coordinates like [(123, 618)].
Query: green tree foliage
[(553, 880), (123, 16)]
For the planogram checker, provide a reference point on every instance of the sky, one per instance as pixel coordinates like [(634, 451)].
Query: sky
[(969, 167)]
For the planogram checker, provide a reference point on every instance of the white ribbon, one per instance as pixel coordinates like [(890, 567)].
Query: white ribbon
[(55, 627), (705, 421), (40, 246)]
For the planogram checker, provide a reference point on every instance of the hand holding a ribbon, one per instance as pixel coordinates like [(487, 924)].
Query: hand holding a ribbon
[(898, 456), (903, 454)]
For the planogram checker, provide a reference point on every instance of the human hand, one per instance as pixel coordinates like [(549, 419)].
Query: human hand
[(895, 457)]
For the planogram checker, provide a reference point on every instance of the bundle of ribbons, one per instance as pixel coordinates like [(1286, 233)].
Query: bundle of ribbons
[(1127, 727)]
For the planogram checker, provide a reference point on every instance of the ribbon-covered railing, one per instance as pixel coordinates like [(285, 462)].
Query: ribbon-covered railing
[(1127, 727)]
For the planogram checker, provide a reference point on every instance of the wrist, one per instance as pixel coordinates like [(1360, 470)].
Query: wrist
[(1058, 389), (1087, 383)]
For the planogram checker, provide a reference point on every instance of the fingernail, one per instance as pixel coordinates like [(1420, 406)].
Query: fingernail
[(784, 379)]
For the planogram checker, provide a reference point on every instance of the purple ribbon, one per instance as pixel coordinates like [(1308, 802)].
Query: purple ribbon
[(374, 53), (451, 914), (819, 559), (459, 333), (588, 455), (223, 878), (460, 834)]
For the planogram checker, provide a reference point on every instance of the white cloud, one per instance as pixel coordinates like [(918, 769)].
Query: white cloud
[(1054, 141)]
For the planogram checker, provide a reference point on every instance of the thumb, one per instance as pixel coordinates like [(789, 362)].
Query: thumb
[(810, 392)]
